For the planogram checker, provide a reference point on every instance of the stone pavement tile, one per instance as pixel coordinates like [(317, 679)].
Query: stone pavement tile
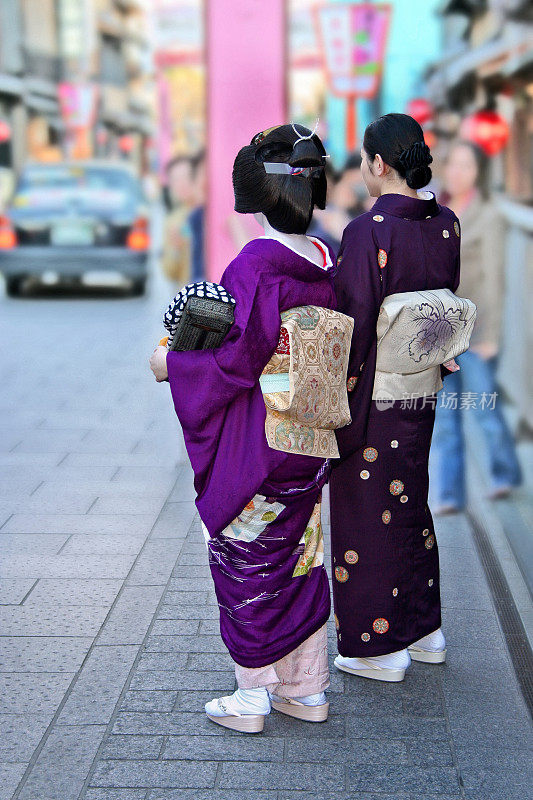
[(32, 693), (511, 778), (146, 700), (60, 566), (359, 701), (115, 794), (201, 571), (127, 503), (105, 441), (191, 584), (132, 747), (121, 459), (14, 590), (174, 723), (201, 661), (379, 752), (131, 616), (145, 476), (43, 653), (192, 559), (177, 627), (213, 748), (212, 794), (397, 726), (72, 747), (280, 776), (34, 543), (81, 475), (10, 775), (155, 563), (277, 725), (174, 521), (505, 702), (404, 777), (30, 459), (161, 661), (151, 774), (115, 524), (91, 543), (475, 595), (86, 592), (340, 795), (33, 620), (187, 644), (468, 628), (20, 734), (461, 562), (75, 502), (174, 680), (184, 610), (98, 686), (467, 668)]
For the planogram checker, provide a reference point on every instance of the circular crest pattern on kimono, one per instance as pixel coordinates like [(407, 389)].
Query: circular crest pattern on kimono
[(394, 443), (404, 498), (351, 557), (446, 234), (430, 541), (382, 258), (378, 218), (395, 592), (334, 351), (380, 625), (456, 228), (350, 383), (365, 637), (341, 574), (386, 516), (370, 454), (396, 487), (430, 582), (365, 474), (425, 532)]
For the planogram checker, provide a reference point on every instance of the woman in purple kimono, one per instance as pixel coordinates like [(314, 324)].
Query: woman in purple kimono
[(385, 556), (259, 501)]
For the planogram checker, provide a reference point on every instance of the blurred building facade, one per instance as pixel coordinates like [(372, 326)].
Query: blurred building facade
[(74, 80), (488, 64)]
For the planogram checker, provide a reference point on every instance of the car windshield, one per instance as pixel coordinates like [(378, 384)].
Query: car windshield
[(61, 186)]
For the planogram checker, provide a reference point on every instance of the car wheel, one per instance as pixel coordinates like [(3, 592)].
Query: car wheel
[(138, 287), (13, 285)]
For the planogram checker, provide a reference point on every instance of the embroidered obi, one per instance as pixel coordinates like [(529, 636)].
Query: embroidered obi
[(417, 332), (304, 383)]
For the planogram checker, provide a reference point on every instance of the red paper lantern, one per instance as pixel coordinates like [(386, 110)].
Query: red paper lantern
[(5, 132), (126, 143), (487, 129), (420, 109)]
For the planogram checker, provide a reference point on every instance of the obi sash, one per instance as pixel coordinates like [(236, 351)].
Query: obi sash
[(304, 383), (416, 333)]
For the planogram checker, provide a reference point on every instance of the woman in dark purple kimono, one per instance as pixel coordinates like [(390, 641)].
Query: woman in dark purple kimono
[(385, 556), (260, 504)]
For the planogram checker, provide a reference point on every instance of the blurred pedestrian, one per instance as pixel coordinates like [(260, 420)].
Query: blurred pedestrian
[(183, 239), (465, 184), (402, 255)]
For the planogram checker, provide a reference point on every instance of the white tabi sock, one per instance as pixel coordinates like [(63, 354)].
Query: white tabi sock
[(434, 642)]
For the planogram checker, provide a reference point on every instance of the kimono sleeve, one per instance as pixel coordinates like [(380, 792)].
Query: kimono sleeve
[(205, 382), (359, 289)]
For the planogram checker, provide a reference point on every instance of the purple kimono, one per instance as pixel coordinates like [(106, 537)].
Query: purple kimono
[(385, 557), (258, 504)]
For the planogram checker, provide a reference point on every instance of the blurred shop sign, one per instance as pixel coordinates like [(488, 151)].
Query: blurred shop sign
[(353, 38), (77, 102)]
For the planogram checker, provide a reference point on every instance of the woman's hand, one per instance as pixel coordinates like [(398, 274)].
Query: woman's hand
[(158, 363), (452, 365)]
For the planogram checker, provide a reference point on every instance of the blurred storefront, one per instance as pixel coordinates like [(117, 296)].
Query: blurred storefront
[(75, 80), (488, 67)]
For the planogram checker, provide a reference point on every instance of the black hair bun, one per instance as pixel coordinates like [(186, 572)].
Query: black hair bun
[(287, 201), (418, 177)]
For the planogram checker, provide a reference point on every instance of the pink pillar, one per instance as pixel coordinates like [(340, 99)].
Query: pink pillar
[(246, 93)]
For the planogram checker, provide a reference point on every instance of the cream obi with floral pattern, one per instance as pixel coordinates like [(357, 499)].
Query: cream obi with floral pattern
[(417, 332), (304, 383)]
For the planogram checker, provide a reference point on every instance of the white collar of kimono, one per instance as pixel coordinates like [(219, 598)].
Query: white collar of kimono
[(300, 237)]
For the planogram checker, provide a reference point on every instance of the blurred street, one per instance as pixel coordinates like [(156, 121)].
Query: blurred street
[(110, 643)]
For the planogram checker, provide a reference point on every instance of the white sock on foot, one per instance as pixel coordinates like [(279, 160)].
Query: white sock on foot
[(434, 642)]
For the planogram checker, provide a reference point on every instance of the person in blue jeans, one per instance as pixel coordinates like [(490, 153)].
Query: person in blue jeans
[(473, 389)]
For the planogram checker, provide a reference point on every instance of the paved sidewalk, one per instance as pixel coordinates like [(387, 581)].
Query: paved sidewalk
[(109, 641), (455, 731)]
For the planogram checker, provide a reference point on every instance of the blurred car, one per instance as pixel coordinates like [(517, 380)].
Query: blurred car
[(75, 221)]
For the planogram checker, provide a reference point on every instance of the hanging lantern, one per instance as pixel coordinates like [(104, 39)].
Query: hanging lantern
[(126, 143), (5, 132), (487, 129), (420, 109)]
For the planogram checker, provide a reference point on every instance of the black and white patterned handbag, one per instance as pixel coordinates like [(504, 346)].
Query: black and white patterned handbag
[(199, 317)]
